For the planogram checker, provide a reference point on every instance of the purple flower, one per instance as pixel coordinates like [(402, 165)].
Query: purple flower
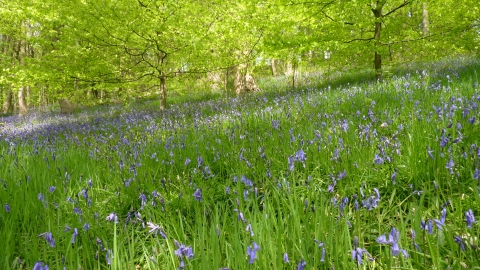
[(247, 181), (52, 189), (183, 251), (450, 165), (156, 229), (469, 218), (440, 223), (77, 211), (7, 208), (49, 237), (249, 229), (322, 259), (143, 200), (301, 265), (459, 240), (357, 253), (86, 227), (285, 257), (112, 217), (40, 266), (252, 252), (198, 194), (378, 160), (108, 256), (300, 156), (393, 242), (74, 235)]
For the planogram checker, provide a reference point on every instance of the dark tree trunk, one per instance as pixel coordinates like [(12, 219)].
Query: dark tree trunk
[(8, 103), (163, 93)]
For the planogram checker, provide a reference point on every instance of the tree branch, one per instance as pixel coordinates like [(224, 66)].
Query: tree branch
[(405, 3)]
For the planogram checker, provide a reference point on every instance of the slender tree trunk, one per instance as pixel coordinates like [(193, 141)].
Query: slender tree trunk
[(273, 66), (425, 19), (8, 102), (378, 29), (22, 102), (294, 67), (163, 93)]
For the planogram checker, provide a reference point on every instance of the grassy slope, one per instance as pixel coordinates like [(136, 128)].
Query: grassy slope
[(379, 136)]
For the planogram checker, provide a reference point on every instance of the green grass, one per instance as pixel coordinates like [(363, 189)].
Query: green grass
[(126, 152)]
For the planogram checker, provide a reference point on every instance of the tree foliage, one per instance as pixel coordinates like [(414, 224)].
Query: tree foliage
[(135, 47)]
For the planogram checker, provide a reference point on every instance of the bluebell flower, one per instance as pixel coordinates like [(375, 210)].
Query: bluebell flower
[(378, 160), (357, 252), (7, 208), (74, 235), (183, 251), (86, 227), (450, 165), (108, 256), (40, 266), (393, 242), (187, 161), (459, 240), (143, 200), (49, 237), (198, 194), (300, 156), (394, 177), (322, 259), (112, 217), (285, 257), (247, 181), (276, 124), (320, 244), (52, 189), (413, 238), (250, 229), (471, 120), (441, 222), (252, 252), (301, 265), (469, 218), (291, 163), (77, 211)]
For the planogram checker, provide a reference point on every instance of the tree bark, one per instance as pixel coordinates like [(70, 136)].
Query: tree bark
[(425, 19), (273, 66), (243, 81), (22, 102), (163, 93), (8, 102), (377, 34)]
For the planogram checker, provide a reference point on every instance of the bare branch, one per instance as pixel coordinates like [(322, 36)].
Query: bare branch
[(359, 39), (405, 3)]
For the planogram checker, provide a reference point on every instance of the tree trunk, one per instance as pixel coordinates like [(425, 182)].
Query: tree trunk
[(239, 79), (288, 69), (215, 80), (243, 81), (378, 29), (273, 66), (22, 103), (8, 102), (163, 93), (424, 19)]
